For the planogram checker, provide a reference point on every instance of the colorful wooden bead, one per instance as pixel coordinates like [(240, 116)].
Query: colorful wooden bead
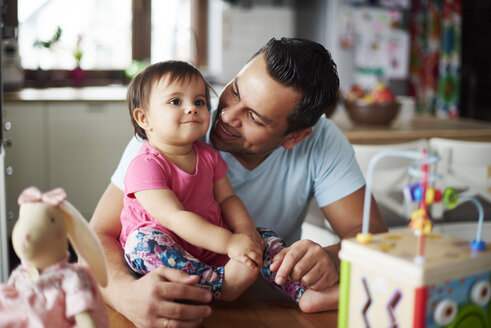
[(420, 223), (478, 245), (364, 238), (433, 195), (450, 198), (438, 196), (408, 191), (418, 193), (430, 196)]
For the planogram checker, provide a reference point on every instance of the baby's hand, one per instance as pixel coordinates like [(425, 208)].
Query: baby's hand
[(252, 233), (256, 237), (243, 249)]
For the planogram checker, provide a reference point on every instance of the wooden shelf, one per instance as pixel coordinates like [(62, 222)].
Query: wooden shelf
[(419, 127)]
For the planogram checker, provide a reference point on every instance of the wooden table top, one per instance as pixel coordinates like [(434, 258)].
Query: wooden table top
[(419, 127), (259, 306)]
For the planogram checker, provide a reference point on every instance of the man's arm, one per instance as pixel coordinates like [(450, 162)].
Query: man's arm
[(149, 300), (317, 267), (346, 219)]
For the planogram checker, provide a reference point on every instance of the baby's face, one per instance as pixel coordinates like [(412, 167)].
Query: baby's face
[(177, 112)]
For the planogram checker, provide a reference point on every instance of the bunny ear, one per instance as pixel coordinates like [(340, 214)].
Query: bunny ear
[(29, 195), (33, 195), (54, 197), (85, 242)]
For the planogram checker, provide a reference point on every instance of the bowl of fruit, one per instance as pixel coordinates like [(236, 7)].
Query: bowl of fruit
[(374, 107)]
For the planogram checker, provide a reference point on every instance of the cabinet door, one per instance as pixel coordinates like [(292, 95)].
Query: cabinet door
[(25, 159), (86, 141)]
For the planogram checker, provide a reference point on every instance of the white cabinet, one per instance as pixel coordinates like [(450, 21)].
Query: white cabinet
[(69, 144), (25, 159), (86, 141)]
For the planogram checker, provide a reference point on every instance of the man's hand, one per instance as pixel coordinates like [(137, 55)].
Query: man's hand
[(153, 300), (307, 262)]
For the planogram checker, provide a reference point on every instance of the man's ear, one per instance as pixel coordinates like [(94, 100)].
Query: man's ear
[(140, 117), (293, 138)]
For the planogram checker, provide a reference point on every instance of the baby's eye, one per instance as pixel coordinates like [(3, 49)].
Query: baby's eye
[(199, 102), (176, 102)]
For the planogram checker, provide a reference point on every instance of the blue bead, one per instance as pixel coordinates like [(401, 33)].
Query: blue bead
[(418, 193), (478, 245)]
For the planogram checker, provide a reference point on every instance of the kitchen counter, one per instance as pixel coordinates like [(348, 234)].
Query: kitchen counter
[(402, 130), (417, 127), (99, 94), (110, 93)]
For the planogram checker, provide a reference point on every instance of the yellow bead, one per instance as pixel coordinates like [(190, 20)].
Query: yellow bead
[(363, 238), (419, 213), (430, 196)]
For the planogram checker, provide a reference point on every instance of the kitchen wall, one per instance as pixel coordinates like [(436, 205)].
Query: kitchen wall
[(318, 20), (236, 32)]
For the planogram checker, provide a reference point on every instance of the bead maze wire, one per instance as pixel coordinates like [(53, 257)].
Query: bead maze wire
[(420, 222)]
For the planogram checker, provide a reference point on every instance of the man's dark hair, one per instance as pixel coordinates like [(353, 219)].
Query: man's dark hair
[(138, 94), (307, 67)]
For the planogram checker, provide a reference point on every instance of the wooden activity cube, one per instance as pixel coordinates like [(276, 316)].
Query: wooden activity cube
[(382, 286)]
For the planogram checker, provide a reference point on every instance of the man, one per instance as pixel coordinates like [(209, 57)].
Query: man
[(279, 155)]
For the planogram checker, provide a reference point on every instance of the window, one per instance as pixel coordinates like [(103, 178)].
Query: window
[(101, 29), (172, 36), (109, 34)]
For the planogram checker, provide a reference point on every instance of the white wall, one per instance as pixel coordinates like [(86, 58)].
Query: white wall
[(236, 33), (342, 57)]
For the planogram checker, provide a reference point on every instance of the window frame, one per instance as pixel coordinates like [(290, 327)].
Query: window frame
[(140, 45)]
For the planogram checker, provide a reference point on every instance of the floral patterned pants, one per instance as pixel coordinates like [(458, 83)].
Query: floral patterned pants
[(147, 249)]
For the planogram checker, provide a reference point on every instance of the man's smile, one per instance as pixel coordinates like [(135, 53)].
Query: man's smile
[(225, 132)]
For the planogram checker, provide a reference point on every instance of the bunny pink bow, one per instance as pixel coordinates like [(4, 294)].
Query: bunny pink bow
[(32, 195)]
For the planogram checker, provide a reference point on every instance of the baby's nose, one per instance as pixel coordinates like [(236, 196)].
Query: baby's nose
[(192, 110)]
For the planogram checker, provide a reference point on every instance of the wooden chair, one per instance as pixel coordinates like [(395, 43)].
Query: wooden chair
[(463, 165), (390, 175)]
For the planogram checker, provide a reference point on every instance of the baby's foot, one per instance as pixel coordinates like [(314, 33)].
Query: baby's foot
[(237, 278), (317, 301)]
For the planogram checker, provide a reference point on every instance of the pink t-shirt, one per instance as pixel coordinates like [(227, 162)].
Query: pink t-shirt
[(62, 291), (150, 170)]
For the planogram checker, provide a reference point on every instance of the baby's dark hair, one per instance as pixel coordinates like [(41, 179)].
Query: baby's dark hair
[(307, 67), (141, 85)]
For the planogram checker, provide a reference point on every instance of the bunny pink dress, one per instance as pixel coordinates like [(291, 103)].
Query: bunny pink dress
[(62, 291)]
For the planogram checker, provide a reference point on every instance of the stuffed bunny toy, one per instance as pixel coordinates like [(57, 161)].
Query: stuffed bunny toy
[(45, 290)]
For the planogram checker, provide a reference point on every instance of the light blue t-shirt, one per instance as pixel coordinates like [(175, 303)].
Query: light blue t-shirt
[(278, 192)]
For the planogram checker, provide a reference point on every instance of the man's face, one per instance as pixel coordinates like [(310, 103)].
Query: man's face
[(253, 111)]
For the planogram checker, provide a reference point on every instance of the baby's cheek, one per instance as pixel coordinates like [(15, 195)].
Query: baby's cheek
[(59, 234)]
